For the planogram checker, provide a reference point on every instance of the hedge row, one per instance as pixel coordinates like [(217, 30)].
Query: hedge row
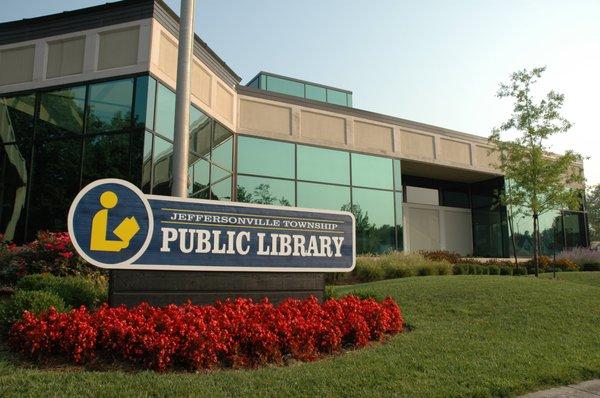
[(236, 333)]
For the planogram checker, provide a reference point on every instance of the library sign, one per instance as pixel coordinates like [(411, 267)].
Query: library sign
[(113, 225)]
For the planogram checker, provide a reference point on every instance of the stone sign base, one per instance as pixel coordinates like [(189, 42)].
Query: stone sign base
[(160, 288)]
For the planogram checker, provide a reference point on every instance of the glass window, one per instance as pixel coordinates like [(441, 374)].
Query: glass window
[(199, 175), (200, 130), (349, 99), (397, 175), (14, 169), (336, 97), (221, 190), (263, 82), (399, 223), (265, 157), (54, 184), (105, 156), (147, 162), (374, 212), (165, 112), (145, 96), (316, 93), (372, 171), (61, 112), (267, 191), (575, 234), (109, 106), (217, 173), (325, 165), (136, 157), (456, 198), (205, 194), (222, 150), (163, 163), (19, 111), (254, 83), (550, 224), (321, 196), (285, 86)]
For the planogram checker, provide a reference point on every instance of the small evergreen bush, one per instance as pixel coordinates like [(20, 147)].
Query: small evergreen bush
[(505, 270), (74, 291), (590, 267), (493, 270), (33, 301)]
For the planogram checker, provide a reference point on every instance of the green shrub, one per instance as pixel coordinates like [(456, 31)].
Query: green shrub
[(443, 268), (485, 270), (368, 271), (365, 294), (520, 271), (393, 271), (73, 290), (493, 270), (459, 269), (35, 301), (505, 270), (590, 267)]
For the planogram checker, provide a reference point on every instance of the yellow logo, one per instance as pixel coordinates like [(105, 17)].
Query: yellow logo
[(125, 231)]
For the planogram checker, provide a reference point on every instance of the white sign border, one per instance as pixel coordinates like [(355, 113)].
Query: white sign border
[(129, 265)]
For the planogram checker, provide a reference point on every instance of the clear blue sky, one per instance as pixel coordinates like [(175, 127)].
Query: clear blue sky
[(436, 62)]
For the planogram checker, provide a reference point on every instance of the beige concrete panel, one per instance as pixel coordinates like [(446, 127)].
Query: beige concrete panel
[(458, 231), (417, 144), (65, 57), (118, 48), (367, 135), (201, 83), (454, 151), (224, 104), (262, 117), (423, 228), (167, 56), (483, 157), (16, 65), (323, 127)]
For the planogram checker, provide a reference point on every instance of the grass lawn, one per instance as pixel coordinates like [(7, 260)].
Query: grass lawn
[(586, 278), (472, 336)]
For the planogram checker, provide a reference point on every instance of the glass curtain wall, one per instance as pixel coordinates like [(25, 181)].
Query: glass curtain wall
[(210, 166), (298, 88), (57, 140), (288, 174)]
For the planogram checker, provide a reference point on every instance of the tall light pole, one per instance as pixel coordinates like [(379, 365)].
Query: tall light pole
[(182, 100)]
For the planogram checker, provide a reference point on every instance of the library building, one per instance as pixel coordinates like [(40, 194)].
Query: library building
[(90, 94)]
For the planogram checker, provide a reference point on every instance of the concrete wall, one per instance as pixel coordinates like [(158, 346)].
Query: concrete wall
[(273, 118), (209, 92), (100, 53)]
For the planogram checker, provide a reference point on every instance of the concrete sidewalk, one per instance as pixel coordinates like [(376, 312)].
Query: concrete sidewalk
[(587, 389)]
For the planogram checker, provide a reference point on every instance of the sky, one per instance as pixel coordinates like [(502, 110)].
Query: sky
[(437, 62)]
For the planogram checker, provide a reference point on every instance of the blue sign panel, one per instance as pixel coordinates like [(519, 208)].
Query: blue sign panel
[(114, 225)]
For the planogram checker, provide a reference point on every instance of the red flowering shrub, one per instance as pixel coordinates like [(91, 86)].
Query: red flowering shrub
[(51, 252), (235, 333)]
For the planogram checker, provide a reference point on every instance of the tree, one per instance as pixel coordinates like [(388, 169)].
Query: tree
[(538, 181), (593, 209)]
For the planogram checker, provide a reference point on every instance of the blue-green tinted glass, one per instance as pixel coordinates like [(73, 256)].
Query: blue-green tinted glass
[(147, 162), (254, 83), (217, 173), (336, 97), (575, 233), (163, 154), (397, 175), (15, 163), (550, 223), (374, 212), (222, 147), (221, 190), (109, 106), (321, 196), (265, 157), (61, 112), (200, 131), (372, 171), (349, 100), (263, 82), (324, 165), (316, 93), (285, 86), (165, 112), (266, 191), (145, 99), (199, 174), (399, 228)]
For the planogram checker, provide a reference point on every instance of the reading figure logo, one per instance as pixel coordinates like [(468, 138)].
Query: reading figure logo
[(125, 231), (110, 223)]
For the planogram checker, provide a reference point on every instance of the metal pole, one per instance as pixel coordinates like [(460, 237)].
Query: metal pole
[(182, 100)]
